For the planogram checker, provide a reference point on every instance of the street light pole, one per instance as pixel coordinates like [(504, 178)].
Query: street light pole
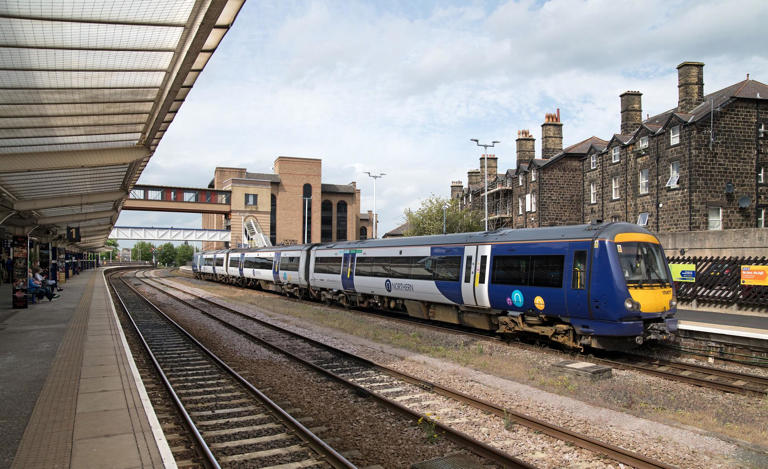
[(375, 220), (445, 207), (485, 160), (306, 214)]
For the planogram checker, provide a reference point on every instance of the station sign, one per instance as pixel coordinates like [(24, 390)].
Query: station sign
[(683, 272), (754, 274)]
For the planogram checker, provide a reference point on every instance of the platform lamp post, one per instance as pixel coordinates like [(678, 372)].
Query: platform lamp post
[(486, 146), (375, 220), (306, 215)]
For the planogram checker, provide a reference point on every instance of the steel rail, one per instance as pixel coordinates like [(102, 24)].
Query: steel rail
[(554, 431), (331, 456)]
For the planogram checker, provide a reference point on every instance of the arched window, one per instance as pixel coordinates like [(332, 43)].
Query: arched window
[(326, 221), (273, 219), (306, 214), (341, 221), (363, 232)]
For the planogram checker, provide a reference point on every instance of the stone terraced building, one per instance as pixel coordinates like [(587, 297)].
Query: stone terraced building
[(698, 166)]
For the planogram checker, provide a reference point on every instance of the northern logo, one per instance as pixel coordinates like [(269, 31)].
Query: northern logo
[(388, 285)]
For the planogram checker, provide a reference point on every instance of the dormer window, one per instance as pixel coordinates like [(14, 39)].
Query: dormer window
[(592, 161), (643, 143), (533, 174), (615, 156), (674, 135)]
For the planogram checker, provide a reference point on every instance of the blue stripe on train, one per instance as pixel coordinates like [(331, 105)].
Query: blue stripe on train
[(450, 290)]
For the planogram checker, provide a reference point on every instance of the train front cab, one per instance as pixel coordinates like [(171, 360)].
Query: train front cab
[(634, 264)]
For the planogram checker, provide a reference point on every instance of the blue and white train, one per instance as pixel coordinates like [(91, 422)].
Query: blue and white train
[(604, 286)]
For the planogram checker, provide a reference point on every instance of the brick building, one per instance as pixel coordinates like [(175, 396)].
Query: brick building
[(698, 166), (276, 205)]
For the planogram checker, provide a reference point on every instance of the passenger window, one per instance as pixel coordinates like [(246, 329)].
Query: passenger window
[(468, 270), (483, 262), (578, 276)]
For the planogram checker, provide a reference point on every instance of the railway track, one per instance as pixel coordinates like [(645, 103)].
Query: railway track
[(403, 392), (233, 423), (697, 375)]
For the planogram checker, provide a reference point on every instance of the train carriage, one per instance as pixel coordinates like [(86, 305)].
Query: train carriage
[(599, 285)]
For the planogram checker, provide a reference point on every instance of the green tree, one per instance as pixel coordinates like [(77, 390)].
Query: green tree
[(428, 219), (114, 247), (142, 251), (184, 254), (166, 254)]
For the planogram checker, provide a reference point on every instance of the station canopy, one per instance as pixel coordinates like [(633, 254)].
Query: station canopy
[(87, 90)]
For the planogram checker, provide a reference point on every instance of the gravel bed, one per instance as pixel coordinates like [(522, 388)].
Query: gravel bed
[(666, 432), (369, 434)]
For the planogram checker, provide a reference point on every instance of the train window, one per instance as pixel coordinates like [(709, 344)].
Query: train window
[(219, 262), (363, 266), (400, 267), (468, 270), (208, 261), (380, 267), (328, 265), (578, 275), (421, 268), (483, 265), (234, 261), (510, 270), (447, 268), (263, 263), (547, 271), (289, 263)]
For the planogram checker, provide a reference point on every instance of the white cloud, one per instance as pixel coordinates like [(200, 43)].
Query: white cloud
[(401, 88)]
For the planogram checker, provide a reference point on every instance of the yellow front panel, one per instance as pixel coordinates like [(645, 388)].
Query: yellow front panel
[(635, 237), (652, 300)]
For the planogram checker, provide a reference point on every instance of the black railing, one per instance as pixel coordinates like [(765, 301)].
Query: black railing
[(718, 281)]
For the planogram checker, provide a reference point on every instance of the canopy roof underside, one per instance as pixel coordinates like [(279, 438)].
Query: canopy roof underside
[(87, 90)]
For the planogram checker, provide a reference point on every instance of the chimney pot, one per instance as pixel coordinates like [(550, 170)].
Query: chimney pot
[(551, 135)]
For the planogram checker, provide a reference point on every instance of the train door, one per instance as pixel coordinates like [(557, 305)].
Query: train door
[(468, 276), (348, 271), (482, 268), (242, 262), (576, 299), (214, 264), (276, 268)]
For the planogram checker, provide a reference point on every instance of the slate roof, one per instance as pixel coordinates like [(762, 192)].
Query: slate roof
[(579, 149), (338, 188), (398, 231), (263, 177)]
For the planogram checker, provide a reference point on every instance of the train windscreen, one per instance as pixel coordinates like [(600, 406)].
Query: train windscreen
[(643, 264)]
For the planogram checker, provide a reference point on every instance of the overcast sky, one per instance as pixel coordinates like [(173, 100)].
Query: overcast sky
[(401, 86)]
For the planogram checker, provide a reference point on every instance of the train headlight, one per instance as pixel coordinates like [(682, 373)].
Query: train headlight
[(673, 303), (629, 303)]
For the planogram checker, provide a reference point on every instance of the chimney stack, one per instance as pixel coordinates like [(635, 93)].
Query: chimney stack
[(525, 147), (631, 111), (551, 135), (493, 166), (457, 189), (690, 85)]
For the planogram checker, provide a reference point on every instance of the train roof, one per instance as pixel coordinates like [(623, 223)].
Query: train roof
[(552, 233)]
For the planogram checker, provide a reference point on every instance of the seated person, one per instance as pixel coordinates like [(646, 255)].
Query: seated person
[(40, 288)]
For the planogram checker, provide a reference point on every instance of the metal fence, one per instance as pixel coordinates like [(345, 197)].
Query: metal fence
[(718, 280)]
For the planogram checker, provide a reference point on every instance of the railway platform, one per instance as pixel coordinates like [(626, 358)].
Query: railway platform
[(71, 395), (744, 325)]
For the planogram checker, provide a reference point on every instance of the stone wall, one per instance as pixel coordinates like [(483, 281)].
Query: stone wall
[(738, 242)]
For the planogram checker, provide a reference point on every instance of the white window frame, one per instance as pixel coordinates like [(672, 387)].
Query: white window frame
[(533, 202), (190, 196), (592, 193), (254, 198), (674, 174), (615, 154), (642, 182), (712, 222), (643, 142), (762, 131), (674, 135), (154, 194), (642, 219), (519, 205), (137, 194), (528, 202), (761, 175), (533, 174), (615, 188), (520, 179), (593, 161), (761, 217)]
